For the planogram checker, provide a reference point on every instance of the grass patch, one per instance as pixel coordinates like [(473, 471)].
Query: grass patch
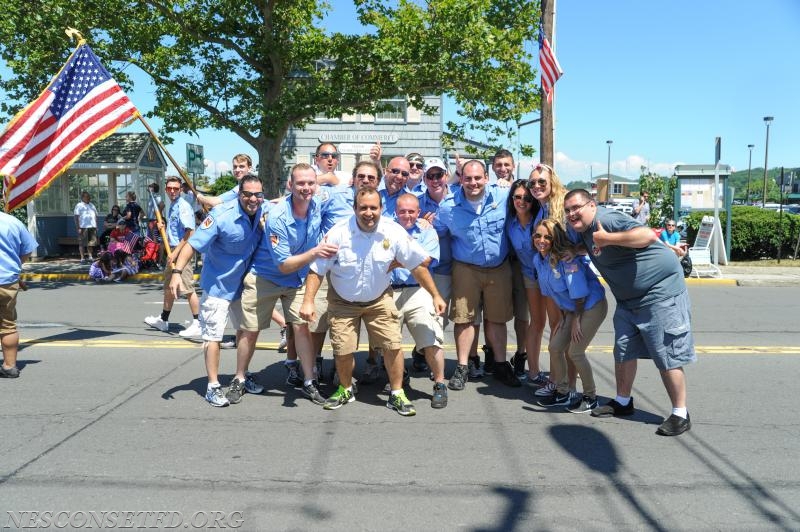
[(785, 262)]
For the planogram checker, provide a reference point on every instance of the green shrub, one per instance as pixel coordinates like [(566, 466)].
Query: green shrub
[(755, 233)]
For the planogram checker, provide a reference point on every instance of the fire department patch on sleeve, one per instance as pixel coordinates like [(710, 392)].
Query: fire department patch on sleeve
[(208, 222), (274, 240), (571, 267)]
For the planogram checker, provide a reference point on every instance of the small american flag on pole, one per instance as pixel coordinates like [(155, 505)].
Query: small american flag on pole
[(550, 69), (81, 105)]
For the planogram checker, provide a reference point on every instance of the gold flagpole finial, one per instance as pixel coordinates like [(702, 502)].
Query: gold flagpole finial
[(72, 33)]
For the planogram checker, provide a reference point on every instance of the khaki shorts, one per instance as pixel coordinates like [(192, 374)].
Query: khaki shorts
[(321, 323), (253, 312), (88, 236), (187, 278), (380, 318), (518, 292), (470, 283), (415, 306), (8, 308)]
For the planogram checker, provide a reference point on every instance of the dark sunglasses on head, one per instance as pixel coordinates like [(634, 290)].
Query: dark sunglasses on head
[(396, 171), (328, 154)]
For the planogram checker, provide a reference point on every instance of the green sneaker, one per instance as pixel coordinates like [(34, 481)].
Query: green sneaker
[(401, 403), (340, 397)]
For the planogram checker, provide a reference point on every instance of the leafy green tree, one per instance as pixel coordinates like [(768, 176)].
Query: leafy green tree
[(258, 67), (661, 190)]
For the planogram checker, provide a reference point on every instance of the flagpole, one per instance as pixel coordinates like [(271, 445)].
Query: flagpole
[(164, 149), (160, 222), (546, 153)]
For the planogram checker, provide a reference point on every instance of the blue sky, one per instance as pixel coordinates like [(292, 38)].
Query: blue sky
[(661, 79)]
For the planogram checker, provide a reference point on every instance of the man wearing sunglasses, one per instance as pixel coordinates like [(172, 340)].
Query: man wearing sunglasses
[(653, 314), (227, 238), (395, 179), (326, 162), (416, 164), (474, 218)]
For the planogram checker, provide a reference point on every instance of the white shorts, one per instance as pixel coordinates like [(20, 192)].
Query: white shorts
[(213, 317)]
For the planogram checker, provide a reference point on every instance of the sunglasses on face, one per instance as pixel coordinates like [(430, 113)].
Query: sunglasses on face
[(541, 182), (523, 197), (366, 177), (433, 176), (670, 225), (248, 195), (173, 189), (396, 171), (539, 236), (328, 155), (418, 166)]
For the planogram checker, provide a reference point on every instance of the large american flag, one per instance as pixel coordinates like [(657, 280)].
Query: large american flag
[(550, 69), (81, 105)]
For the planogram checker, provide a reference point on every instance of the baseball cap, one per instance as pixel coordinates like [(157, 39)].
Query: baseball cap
[(435, 162), (415, 157)]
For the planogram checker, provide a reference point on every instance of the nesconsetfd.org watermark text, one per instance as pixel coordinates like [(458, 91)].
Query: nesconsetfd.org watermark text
[(113, 519)]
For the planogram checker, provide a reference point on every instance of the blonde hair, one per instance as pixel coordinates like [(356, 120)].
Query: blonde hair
[(555, 202)]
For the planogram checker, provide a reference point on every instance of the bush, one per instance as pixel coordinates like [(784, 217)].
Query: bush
[(755, 233)]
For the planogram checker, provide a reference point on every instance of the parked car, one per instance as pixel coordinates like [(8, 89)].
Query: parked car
[(792, 209), (622, 207)]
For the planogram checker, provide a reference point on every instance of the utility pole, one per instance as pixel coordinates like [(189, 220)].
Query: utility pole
[(546, 148)]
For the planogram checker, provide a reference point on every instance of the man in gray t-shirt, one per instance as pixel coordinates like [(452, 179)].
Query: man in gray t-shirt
[(653, 316)]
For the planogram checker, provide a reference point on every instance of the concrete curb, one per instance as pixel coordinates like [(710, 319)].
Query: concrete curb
[(84, 277)]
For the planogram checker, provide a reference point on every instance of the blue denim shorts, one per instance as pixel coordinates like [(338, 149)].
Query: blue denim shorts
[(661, 331)]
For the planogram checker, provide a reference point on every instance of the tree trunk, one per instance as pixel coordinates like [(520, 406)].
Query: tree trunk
[(270, 166)]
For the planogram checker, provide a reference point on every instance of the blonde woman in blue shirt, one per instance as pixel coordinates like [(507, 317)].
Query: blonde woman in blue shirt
[(567, 279)]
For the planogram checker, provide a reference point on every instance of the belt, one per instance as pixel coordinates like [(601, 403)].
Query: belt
[(401, 286)]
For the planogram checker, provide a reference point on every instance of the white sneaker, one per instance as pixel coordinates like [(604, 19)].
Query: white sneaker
[(547, 390), (157, 323), (228, 344), (216, 398), (192, 330)]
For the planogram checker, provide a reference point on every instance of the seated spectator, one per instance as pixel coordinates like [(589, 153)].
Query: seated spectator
[(672, 239), (101, 269), (126, 266), (118, 236), (109, 224)]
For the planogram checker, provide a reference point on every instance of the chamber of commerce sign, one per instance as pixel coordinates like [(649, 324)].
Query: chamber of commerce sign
[(372, 138)]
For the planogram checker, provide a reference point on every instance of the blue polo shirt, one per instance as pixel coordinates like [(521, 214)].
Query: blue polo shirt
[(232, 194), (227, 238), (444, 265), (568, 281), (429, 240), (389, 202), (180, 217), (15, 242), (336, 204), (287, 236), (520, 239), (477, 239)]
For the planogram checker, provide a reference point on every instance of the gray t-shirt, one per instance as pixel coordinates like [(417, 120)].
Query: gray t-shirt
[(637, 276)]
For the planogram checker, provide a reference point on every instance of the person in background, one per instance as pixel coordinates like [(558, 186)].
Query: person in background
[(672, 239), (109, 224), (126, 265), (641, 207), (416, 163), (101, 269), (132, 213), (85, 214), (16, 246)]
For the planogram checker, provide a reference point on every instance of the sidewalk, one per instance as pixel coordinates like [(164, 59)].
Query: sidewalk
[(71, 270)]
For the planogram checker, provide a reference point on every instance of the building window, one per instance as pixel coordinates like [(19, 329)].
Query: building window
[(618, 188), (97, 187), (322, 117), (393, 111)]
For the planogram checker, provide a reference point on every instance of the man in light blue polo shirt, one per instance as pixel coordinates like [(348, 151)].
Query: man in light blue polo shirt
[(179, 227), (394, 184), (16, 246), (474, 218), (227, 237), (291, 241)]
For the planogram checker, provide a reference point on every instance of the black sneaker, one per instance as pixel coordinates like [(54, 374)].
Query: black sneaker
[(674, 425), (418, 362), (439, 399), (505, 374), (556, 399), (459, 378), (312, 392), (293, 378), (235, 392), (582, 405), (488, 360), (518, 361), (613, 408), (9, 373)]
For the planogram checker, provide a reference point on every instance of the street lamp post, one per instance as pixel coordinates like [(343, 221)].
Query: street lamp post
[(609, 184), (749, 167), (767, 120)]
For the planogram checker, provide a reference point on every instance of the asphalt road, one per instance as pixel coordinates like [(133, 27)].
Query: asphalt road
[(108, 416)]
